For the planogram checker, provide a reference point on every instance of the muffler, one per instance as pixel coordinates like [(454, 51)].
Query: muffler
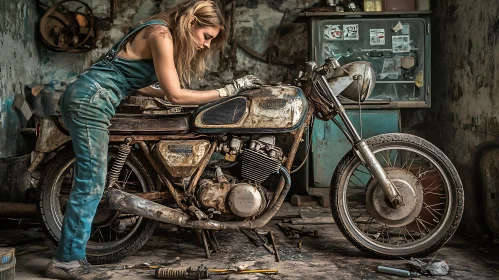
[(132, 204)]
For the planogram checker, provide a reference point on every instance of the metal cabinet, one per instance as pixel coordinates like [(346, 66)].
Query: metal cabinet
[(329, 145), (398, 48)]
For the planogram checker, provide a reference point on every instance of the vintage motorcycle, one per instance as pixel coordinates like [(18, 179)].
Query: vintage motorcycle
[(219, 167)]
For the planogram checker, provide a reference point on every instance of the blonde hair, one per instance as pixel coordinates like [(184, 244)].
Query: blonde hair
[(187, 58)]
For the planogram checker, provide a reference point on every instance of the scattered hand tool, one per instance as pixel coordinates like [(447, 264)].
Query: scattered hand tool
[(289, 230), (260, 241), (137, 266), (272, 239), (203, 272)]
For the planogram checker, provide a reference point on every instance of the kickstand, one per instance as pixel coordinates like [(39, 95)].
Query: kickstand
[(210, 242)]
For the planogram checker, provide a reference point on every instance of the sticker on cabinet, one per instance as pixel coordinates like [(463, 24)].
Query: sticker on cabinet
[(377, 37), (401, 44), (351, 32), (333, 33)]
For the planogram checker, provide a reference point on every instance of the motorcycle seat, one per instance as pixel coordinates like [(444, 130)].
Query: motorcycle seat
[(147, 124)]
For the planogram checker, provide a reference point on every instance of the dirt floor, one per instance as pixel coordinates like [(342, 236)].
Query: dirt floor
[(329, 256)]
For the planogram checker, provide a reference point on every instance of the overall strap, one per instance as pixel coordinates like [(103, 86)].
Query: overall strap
[(111, 54)]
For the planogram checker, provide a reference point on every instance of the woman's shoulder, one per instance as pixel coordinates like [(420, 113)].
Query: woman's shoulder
[(157, 31)]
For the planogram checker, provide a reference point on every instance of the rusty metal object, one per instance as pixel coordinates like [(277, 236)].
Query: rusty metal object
[(213, 195), (154, 195), (68, 31), (274, 245), (38, 158), (246, 200), (291, 156), (202, 165), (129, 203), (181, 157), (275, 107), (138, 138), (162, 176), (279, 196), (17, 210), (148, 124), (138, 104), (51, 136), (303, 200)]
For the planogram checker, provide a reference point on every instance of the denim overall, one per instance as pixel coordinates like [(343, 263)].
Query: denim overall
[(87, 106)]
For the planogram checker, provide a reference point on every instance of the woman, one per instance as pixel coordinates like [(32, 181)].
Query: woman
[(166, 48)]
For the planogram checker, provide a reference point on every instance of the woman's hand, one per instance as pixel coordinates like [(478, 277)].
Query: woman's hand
[(245, 83)]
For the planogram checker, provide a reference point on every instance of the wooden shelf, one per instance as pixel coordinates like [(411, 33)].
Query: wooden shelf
[(362, 14)]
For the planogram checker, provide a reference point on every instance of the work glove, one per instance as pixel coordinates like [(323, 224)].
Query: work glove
[(245, 83)]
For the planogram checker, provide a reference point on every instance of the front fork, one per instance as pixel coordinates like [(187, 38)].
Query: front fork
[(364, 152)]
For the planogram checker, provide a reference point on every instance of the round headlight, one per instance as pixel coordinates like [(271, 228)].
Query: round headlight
[(362, 77)]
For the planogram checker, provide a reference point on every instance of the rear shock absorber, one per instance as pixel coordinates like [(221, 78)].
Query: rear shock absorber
[(119, 161)]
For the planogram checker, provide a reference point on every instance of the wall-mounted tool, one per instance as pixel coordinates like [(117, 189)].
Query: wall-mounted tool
[(68, 26)]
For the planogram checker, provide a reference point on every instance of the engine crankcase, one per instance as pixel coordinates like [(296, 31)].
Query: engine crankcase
[(242, 199)]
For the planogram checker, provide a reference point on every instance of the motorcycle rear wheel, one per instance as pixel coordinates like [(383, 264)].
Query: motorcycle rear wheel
[(114, 235), (432, 189)]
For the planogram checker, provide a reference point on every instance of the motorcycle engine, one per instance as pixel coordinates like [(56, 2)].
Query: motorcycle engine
[(246, 198)]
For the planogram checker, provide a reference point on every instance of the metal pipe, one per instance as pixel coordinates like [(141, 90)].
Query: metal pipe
[(291, 156), (162, 176), (379, 173), (132, 204), (341, 110), (129, 203), (17, 210), (202, 165)]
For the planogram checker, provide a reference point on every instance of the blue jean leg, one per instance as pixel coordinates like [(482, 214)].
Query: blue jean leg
[(87, 117)]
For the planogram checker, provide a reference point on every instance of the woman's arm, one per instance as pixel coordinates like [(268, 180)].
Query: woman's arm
[(161, 46), (150, 92)]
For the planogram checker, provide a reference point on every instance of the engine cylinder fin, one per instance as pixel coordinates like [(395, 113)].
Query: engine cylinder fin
[(258, 166)]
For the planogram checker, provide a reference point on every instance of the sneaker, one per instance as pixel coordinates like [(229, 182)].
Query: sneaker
[(67, 270)]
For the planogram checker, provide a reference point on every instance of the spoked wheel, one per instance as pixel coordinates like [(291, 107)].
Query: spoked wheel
[(114, 235), (424, 176)]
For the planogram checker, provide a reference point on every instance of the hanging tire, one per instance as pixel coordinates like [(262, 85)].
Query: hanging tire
[(431, 187), (114, 235)]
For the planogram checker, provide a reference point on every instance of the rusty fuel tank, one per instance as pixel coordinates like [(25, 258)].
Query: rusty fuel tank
[(266, 110)]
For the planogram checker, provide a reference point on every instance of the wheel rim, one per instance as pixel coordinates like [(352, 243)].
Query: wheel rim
[(410, 236), (109, 228)]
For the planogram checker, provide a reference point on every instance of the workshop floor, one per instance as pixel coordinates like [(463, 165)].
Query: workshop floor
[(330, 256)]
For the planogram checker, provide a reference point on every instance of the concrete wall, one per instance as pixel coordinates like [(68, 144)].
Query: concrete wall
[(17, 21), (464, 114)]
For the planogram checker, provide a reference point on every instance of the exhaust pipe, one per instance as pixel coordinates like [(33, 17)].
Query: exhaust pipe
[(132, 204)]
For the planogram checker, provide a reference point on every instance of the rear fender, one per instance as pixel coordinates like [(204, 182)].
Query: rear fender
[(51, 137)]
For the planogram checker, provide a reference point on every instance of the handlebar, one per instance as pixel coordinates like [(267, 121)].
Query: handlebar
[(330, 64)]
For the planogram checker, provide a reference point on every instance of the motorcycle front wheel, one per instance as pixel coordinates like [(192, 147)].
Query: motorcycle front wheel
[(429, 183), (114, 235)]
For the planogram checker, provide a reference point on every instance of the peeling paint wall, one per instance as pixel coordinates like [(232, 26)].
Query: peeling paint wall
[(16, 45), (464, 116)]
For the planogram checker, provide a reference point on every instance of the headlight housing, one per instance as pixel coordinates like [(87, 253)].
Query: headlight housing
[(354, 81)]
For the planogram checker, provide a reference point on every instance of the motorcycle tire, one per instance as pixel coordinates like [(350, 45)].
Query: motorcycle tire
[(50, 207), (414, 230)]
